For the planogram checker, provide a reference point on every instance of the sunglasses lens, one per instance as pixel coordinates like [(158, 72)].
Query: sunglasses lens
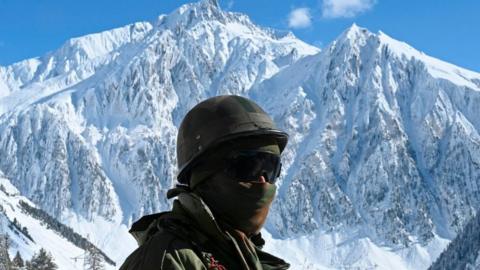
[(251, 165)]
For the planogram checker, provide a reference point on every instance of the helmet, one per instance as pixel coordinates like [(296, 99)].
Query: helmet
[(220, 119)]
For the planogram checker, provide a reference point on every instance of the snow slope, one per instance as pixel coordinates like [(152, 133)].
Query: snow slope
[(39, 235)]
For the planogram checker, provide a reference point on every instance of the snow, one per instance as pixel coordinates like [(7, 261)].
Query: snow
[(63, 252), (4, 90), (105, 235), (336, 251), (436, 67), (101, 44)]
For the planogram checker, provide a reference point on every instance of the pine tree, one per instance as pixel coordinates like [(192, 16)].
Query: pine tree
[(41, 261), (93, 260), (462, 252), (17, 262), (4, 258)]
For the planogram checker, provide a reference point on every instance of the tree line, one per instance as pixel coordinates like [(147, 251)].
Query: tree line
[(42, 260), (463, 250), (64, 231)]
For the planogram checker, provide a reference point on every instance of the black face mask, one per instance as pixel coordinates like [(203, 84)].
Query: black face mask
[(242, 205)]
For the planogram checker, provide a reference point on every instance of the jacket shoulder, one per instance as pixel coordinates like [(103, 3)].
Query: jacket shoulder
[(164, 250)]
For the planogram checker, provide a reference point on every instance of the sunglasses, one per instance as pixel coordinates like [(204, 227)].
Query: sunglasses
[(250, 165)]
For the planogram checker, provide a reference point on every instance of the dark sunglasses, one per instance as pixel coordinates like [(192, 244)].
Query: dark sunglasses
[(250, 165)]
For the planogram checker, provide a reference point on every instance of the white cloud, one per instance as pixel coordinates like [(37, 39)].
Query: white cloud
[(345, 8), (299, 18)]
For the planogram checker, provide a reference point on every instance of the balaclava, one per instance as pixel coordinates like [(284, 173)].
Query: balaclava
[(242, 204)]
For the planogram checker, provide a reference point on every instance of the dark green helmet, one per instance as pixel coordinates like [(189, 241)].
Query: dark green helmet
[(220, 119)]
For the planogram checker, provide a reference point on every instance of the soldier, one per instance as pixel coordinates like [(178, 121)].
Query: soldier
[(228, 152)]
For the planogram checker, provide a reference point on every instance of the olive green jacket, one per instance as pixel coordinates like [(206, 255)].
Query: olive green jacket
[(188, 237)]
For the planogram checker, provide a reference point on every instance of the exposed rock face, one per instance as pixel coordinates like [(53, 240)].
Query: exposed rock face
[(384, 137), (92, 127)]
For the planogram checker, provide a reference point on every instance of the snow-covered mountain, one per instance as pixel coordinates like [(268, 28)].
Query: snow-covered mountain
[(382, 168), (30, 230), (386, 145)]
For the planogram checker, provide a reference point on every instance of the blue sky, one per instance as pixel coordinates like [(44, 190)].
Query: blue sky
[(446, 29)]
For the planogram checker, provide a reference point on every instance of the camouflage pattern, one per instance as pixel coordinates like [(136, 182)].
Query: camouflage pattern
[(217, 120), (188, 237)]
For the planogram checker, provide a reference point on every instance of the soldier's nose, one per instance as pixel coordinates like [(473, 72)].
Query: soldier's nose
[(262, 179)]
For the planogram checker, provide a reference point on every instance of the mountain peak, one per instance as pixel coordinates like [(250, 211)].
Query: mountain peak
[(189, 14), (354, 32), (210, 3), (353, 28), (353, 36), (356, 40)]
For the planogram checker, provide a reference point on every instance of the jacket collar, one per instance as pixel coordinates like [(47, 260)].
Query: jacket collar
[(187, 206), (144, 227), (194, 207)]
